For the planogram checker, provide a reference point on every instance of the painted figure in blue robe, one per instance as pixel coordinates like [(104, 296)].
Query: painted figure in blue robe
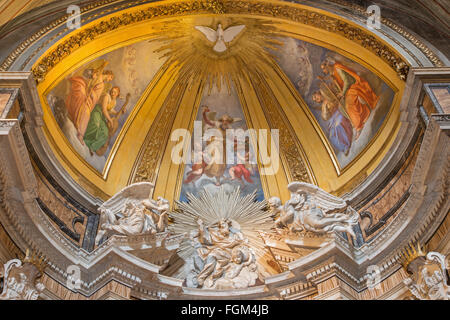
[(340, 129)]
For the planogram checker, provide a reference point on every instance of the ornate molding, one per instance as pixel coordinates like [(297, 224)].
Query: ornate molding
[(297, 290), (18, 143), (429, 274), (61, 212), (330, 269), (146, 167), (22, 220), (12, 57), (185, 8), (290, 148), (437, 198)]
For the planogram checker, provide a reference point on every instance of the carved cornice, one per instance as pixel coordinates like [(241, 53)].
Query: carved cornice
[(441, 118), (329, 269), (296, 291), (257, 8), (400, 30)]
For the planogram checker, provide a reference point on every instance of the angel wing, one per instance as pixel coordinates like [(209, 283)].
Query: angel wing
[(209, 33), (134, 193), (232, 32), (323, 199)]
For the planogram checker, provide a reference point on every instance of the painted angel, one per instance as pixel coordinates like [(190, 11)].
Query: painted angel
[(201, 161), (340, 128), (85, 92)]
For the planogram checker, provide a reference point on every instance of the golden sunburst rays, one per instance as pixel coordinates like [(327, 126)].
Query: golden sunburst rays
[(193, 54), (250, 217), (35, 259), (411, 253)]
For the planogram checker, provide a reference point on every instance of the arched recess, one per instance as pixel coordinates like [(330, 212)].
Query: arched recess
[(319, 159)]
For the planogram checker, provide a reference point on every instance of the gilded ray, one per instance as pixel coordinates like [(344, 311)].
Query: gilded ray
[(188, 48)]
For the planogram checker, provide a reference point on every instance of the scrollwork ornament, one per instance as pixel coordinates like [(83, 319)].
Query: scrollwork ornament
[(182, 8), (20, 279), (429, 275)]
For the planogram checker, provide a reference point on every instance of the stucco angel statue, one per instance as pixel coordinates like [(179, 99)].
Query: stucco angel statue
[(132, 212), (313, 209)]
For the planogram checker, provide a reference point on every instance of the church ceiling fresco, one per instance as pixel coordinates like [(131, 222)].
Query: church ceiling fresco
[(222, 111), (349, 102), (139, 118), (103, 100), (92, 104)]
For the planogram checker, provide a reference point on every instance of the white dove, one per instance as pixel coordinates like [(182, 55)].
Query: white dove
[(220, 36)]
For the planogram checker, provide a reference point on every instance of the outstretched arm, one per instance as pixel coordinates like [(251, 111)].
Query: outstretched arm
[(205, 117)]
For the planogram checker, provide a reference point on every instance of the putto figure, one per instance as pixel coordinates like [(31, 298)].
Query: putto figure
[(312, 209), (131, 212), (222, 260)]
